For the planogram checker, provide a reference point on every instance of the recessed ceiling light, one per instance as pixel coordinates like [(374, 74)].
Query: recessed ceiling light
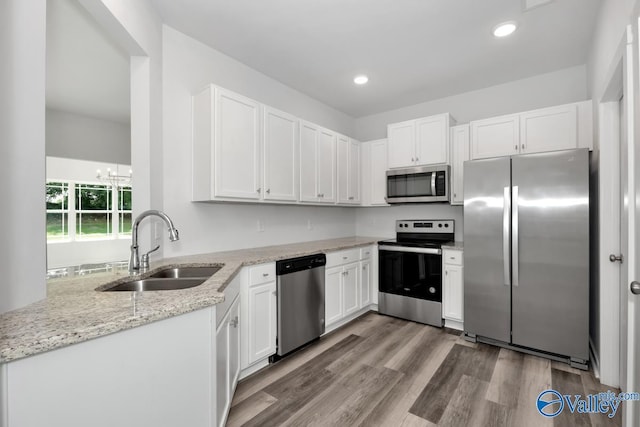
[(361, 79), (504, 29)]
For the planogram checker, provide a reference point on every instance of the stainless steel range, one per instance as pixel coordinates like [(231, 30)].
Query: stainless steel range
[(410, 270)]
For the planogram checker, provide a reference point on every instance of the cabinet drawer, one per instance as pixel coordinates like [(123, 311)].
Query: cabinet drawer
[(452, 257), (262, 273), (342, 257), (366, 252)]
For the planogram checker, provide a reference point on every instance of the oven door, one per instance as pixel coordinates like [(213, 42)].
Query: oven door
[(411, 272)]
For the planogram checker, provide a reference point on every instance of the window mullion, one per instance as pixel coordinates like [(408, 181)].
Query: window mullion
[(72, 211), (115, 220)]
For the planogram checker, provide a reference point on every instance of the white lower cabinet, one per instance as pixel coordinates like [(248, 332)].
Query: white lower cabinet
[(259, 316), (453, 288), (348, 285), (227, 360)]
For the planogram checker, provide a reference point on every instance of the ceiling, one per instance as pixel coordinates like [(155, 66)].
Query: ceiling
[(412, 50), (87, 73)]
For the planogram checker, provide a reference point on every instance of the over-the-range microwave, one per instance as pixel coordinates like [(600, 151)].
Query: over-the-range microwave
[(420, 184)]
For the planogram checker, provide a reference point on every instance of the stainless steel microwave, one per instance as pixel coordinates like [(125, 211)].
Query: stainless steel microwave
[(420, 184)]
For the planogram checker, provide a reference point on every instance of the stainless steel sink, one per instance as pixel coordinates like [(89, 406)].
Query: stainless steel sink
[(187, 272), (157, 284)]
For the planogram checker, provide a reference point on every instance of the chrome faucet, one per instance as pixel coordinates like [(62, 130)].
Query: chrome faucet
[(135, 266)]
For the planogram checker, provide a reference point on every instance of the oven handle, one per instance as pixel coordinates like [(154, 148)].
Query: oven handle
[(432, 251)]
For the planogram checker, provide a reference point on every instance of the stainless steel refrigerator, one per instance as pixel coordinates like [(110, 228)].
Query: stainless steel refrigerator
[(526, 253)]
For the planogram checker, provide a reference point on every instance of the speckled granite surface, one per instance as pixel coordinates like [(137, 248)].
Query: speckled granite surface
[(74, 312), (458, 245)]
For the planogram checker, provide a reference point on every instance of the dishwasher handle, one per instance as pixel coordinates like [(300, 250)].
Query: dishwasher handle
[(294, 265)]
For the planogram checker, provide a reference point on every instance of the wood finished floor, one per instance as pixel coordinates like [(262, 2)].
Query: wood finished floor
[(383, 371)]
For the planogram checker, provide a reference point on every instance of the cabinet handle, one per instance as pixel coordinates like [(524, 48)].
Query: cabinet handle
[(265, 274), (523, 146), (351, 198), (268, 191), (446, 273), (234, 322), (516, 148), (455, 195), (274, 293), (413, 160), (417, 159), (258, 190), (344, 257)]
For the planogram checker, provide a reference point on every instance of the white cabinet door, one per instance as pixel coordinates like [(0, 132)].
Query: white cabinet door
[(365, 283), (494, 137), (459, 154), (223, 396), (354, 172), (452, 298), (333, 295), (237, 147), (378, 175), (280, 155), (549, 129), (309, 135), (350, 302), (432, 140), (234, 345), (343, 169), (326, 166), (262, 321), (402, 144)]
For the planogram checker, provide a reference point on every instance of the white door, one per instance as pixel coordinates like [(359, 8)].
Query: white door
[(365, 283), (402, 144), (350, 289), (237, 148), (327, 166), (354, 172), (378, 174), (459, 154), (262, 321), (343, 169), (494, 137), (308, 162), (234, 344), (452, 297), (549, 129), (432, 140), (280, 155), (333, 295), (223, 398)]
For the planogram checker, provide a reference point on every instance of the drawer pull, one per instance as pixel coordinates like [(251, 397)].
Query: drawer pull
[(265, 274), (345, 257)]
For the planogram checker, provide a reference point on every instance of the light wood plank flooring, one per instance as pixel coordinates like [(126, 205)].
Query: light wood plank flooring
[(383, 371)]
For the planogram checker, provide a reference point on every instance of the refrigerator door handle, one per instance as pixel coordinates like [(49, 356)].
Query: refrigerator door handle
[(505, 235), (514, 234)]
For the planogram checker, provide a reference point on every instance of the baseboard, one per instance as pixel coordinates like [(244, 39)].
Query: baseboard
[(454, 324), (253, 368), (350, 318), (595, 360)]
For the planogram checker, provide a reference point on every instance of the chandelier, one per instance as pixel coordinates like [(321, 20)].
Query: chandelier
[(112, 178)]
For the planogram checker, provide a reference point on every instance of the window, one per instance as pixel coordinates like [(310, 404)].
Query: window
[(57, 199), (96, 211)]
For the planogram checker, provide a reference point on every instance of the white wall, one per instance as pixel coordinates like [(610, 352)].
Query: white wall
[(22, 148), (559, 87), (75, 136), (204, 227)]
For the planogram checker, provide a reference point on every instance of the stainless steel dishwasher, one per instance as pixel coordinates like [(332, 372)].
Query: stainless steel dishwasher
[(300, 284)]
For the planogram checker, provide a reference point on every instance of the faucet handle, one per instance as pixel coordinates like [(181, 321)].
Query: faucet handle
[(144, 260)]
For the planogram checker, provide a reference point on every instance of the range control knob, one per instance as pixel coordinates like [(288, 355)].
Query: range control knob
[(440, 225), (446, 225)]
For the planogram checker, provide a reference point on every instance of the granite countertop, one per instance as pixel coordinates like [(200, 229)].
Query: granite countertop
[(74, 311), (458, 245)]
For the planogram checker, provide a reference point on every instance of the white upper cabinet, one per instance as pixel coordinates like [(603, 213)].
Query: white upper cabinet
[(402, 143), (373, 182), (432, 140), (317, 164), (237, 145), (459, 154), (547, 129), (348, 170), (419, 142), (280, 155), (494, 137), (326, 166), (226, 146)]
